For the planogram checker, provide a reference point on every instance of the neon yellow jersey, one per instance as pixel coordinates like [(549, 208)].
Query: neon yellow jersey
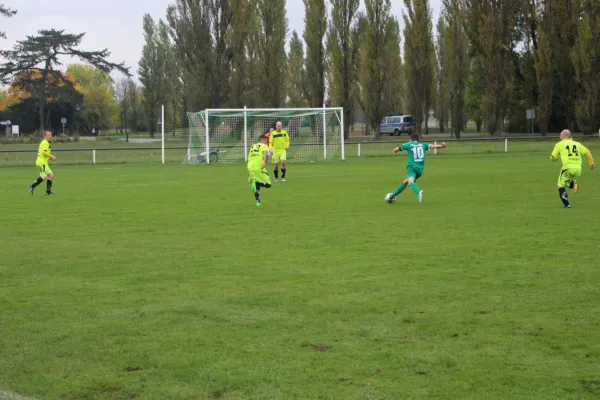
[(570, 153), (41, 158), (279, 140), (257, 156)]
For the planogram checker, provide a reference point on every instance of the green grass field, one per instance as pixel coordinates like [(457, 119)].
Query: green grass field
[(166, 282)]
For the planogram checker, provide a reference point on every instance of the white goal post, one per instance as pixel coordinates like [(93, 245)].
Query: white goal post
[(225, 135)]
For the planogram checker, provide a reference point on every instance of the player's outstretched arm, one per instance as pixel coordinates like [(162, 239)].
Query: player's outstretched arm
[(265, 160), (397, 149), (555, 155), (47, 154), (590, 159), (438, 146)]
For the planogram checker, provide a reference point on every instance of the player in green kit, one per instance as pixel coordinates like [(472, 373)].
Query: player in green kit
[(414, 165), (257, 163), (570, 153)]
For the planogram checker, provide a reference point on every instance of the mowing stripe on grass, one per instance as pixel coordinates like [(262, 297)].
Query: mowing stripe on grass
[(6, 395)]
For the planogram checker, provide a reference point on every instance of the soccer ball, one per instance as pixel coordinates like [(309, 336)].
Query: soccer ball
[(389, 198)]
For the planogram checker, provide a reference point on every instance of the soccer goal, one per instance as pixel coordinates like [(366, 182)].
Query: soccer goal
[(225, 135)]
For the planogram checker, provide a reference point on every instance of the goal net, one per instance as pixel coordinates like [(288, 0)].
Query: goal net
[(225, 135)]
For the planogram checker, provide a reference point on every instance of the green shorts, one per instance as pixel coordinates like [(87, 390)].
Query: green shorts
[(278, 156), (414, 172), (567, 175), (44, 170), (259, 175)]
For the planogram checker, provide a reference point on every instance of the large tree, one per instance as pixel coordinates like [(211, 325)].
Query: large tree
[(586, 60), (442, 84), (271, 49), (172, 79), (564, 39), (541, 30), (314, 32), (200, 31), (254, 65), (343, 42), (242, 29), (475, 91), (121, 87), (43, 52), (491, 27), (152, 72), (5, 12), (377, 61), (456, 45), (296, 74), (100, 109), (62, 95), (133, 100), (419, 59)]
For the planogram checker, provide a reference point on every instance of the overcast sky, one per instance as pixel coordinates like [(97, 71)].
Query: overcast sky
[(117, 24)]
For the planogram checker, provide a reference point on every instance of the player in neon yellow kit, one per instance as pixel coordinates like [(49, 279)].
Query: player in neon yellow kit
[(569, 152), (414, 165), (43, 163), (279, 142), (257, 163)]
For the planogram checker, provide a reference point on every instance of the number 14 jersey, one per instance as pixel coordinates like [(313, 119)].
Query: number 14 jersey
[(570, 153)]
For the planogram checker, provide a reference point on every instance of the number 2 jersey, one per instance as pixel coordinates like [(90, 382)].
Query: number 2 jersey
[(416, 154), (570, 153), (257, 156)]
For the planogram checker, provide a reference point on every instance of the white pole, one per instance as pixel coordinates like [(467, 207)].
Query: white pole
[(94, 157), (342, 133), (359, 149), (435, 150), (324, 133), (506, 145), (207, 139), (162, 128), (245, 134)]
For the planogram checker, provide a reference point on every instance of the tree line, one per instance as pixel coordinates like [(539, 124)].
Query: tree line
[(482, 61), (486, 62), (41, 94)]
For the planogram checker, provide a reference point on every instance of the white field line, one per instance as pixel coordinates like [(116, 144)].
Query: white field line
[(6, 395)]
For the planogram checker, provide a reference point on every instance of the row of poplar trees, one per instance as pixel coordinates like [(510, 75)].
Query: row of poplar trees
[(487, 61), (494, 59)]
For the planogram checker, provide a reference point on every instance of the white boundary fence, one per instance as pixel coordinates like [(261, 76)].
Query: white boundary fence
[(160, 152)]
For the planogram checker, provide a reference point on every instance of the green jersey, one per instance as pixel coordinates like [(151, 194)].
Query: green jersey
[(416, 154), (257, 156)]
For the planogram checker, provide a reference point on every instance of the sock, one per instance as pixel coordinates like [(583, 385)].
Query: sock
[(276, 173), (572, 185), (399, 190), (283, 173), (48, 186), (37, 182), (257, 194), (414, 187), (564, 197)]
